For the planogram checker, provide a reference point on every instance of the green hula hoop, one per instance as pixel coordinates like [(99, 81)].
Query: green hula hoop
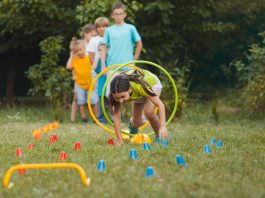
[(143, 62)]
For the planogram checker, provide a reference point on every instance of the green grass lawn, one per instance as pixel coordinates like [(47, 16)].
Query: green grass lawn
[(235, 170)]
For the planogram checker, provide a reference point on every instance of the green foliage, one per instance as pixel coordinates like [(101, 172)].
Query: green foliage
[(181, 76), (47, 78), (211, 33), (23, 24), (251, 73), (88, 11)]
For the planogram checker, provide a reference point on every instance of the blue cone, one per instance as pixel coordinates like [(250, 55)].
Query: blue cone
[(101, 166), (133, 154), (212, 141), (219, 144), (207, 149), (149, 172), (180, 161), (165, 143), (146, 146), (157, 140)]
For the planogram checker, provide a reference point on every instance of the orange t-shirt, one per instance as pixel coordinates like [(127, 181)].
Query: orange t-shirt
[(83, 72)]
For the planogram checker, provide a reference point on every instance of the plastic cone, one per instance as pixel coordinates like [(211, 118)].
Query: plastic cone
[(207, 149), (30, 146), (62, 156), (180, 161), (133, 154), (77, 146), (110, 141), (149, 172), (219, 144), (18, 152), (146, 146), (212, 141), (101, 166)]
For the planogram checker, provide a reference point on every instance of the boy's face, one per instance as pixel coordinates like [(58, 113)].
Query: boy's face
[(89, 35), (101, 29), (118, 15)]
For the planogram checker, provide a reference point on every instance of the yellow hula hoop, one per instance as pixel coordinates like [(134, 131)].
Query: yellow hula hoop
[(89, 103)]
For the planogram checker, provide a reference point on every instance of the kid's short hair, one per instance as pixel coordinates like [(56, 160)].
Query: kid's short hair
[(118, 5), (101, 21), (75, 42), (88, 28)]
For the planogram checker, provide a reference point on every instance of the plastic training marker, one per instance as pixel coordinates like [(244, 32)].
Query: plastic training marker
[(180, 161), (157, 140), (77, 146), (30, 146), (212, 141), (55, 138), (149, 172), (6, 179), (101, 166), (207, 149), (62, 156), (37, 136), (18, 152), (110, 141), (146, 146), (21, 171), (133, 154), (45, 129), (165, 143), (219, 144), (140, 139), (51, 140)]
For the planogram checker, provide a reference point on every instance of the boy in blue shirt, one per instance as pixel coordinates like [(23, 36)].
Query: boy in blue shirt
[(121, 41)]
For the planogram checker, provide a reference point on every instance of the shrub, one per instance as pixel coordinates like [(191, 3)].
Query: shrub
[(251, 73), (180, 76), (48, 79)]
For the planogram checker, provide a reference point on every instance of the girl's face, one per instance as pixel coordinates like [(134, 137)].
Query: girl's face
[(122, 96), (80, 51)]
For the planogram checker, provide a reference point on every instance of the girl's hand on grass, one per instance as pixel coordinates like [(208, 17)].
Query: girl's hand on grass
[(119, 142), (163, 132)]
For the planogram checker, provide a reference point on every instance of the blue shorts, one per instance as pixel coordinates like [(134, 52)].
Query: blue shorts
[(94, 97), (81, 95)]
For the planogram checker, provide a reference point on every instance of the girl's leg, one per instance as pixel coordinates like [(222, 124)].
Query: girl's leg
[(137, 112), (149, 111), (74, 109)]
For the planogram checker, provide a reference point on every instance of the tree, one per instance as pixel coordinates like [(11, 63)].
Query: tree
[(23, 24), (210, 33)]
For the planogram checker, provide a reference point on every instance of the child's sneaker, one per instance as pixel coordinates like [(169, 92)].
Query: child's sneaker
[(133, 130), (84, 120)]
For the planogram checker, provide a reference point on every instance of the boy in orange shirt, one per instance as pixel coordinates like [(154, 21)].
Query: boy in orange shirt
[(80, 63)]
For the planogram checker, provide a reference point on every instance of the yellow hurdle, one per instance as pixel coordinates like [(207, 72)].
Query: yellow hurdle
[(85, 180)]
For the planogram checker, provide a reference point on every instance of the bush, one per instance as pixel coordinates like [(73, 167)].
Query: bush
[(180, 76), (251, 73), (49, 79)]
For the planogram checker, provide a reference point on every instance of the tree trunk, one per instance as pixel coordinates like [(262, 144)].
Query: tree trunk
[(10, 81)]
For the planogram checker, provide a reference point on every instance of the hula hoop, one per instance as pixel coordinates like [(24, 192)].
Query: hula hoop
[(145, 62), (103, 93), (89, 103)]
